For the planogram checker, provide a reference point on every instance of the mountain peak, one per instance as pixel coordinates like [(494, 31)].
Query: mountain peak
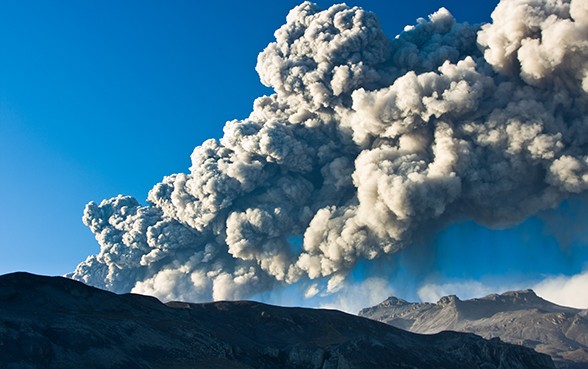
[(516, 295), (525, 292), (391, 301), (448, 300)]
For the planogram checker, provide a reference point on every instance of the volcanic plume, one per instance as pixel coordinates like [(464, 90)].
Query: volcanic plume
[(366, 142)]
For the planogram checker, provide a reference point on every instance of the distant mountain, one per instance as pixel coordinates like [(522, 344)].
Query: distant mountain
[(519, 317), (53, 322)]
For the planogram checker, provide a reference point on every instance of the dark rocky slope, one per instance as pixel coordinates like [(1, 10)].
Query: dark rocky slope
[(519, 317), (53, 322)]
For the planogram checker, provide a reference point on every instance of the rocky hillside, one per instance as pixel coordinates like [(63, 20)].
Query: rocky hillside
[(53, 322), (519, 317)]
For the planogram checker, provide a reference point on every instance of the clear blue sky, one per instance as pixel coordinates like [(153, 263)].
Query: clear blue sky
[(99, 98)]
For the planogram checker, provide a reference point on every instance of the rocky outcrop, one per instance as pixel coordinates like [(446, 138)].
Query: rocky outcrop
[(519, 317), (53, 322)]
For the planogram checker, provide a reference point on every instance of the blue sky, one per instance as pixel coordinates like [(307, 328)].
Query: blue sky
[(106, 98)]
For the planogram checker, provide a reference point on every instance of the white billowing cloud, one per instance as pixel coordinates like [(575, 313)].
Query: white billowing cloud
[(311, 291), (366, 142), (538, 40), (565, 290), (352, 297)]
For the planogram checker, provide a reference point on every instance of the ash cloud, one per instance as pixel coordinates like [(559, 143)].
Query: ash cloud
[(366, 143)]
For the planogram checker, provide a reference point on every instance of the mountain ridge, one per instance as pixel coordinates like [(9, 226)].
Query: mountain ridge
[(54, 322), (519, 317)]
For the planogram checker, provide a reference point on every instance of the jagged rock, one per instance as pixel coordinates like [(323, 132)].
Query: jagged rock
[(519, 317), (53, 322)]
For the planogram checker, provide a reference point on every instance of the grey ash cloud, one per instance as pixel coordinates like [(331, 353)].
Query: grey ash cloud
[(366, 142)]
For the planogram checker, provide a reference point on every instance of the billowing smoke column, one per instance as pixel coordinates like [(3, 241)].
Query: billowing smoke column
[(365, 142)]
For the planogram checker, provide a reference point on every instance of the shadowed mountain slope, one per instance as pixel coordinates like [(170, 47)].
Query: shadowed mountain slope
[(54, 322)]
